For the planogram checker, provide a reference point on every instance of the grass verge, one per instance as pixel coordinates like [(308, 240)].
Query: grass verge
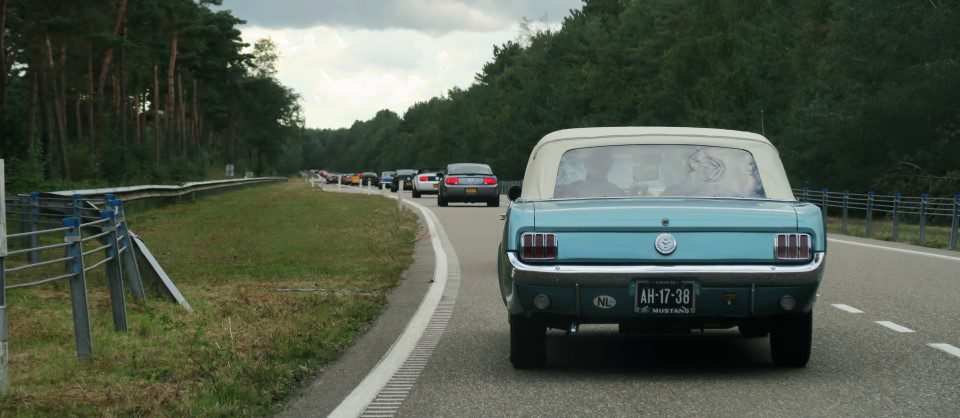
[(882, 229), (248, 341)]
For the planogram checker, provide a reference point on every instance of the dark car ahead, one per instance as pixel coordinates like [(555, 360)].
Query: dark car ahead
[(332, 178), (469, 183), (370, 178), (403, 179)]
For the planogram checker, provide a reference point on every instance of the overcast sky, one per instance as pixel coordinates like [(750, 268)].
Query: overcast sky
[(350, 58)]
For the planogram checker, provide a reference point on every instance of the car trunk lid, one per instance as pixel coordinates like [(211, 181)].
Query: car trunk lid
[(705, 230)]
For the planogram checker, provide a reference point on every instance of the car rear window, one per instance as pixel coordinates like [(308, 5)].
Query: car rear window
[(658, 171), (461, 169), (405, 172)]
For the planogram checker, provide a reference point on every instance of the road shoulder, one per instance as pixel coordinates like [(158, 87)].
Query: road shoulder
[(322, 395)]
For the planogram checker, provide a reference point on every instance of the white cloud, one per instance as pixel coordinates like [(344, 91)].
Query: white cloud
[(346, 73), (434, 16)]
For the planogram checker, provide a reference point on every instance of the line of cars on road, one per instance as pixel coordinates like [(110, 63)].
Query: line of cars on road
[(460, 182)]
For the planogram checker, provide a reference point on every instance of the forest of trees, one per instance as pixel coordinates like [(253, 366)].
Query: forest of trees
[(855, 94), (137, 91)]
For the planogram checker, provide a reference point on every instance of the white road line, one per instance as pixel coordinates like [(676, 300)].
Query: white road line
[(946, 348), (896, 250), (366, 392), (894, 326), (847, 308)]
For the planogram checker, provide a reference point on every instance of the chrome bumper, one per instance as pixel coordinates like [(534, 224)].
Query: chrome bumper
[(708, 275)]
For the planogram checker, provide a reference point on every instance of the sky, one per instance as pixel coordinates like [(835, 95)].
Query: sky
[(350, 58)]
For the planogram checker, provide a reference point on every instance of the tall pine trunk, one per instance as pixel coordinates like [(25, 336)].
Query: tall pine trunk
[(124, 112), (136, 118), (181, 120), (105, 69), (3, 63), (156, 114), (58, 112), (63, 89), (90, 120), (194, 116), (168, 114), (32, 109), (46, 124), (78, 115)]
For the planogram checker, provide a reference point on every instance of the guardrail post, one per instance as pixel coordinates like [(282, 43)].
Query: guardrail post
[(846, 208), (129, 261), (923, 218), (400, 197), (869, 214), (24, 209), (806, 194), (339, 180), (896, 216), (4, 349), (78, 205), (114, 273), (78, 289), (954, 225), (825, 200), (381, 188), (34, 240)]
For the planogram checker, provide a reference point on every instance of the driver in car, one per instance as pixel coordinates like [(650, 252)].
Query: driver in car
[(597, 163)]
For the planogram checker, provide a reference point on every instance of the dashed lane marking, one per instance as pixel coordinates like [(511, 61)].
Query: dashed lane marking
[(847, 308), (894, 326), (946, 348)]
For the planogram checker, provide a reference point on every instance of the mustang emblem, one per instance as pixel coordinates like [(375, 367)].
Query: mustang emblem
[(665, 244)]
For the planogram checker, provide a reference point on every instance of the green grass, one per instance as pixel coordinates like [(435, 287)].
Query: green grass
[(882, 229), (246, 345)]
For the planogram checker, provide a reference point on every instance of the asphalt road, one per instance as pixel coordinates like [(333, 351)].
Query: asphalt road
[(858, 367)]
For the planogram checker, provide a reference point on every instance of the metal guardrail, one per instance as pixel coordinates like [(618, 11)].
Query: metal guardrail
[(895, 206), (503, 185), (86, 233), (133, 193), (91, 222)]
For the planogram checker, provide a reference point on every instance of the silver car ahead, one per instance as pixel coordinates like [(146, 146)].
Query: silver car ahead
[(426, 181), (468, 182)]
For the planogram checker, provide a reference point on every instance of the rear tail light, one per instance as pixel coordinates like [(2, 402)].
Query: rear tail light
[(487, 181), (538, 246), (423, 178), (451, 180), (792, 246)]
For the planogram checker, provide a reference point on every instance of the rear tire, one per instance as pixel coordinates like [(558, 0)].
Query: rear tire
[(791, 339), (416, 193), (494, 203), (441, 201), (528, 342)]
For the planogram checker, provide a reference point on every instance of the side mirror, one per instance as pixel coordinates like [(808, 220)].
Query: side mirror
[(513, 193)]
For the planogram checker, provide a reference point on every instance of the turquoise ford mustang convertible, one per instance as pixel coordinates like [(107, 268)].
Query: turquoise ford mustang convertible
[(659, 230)]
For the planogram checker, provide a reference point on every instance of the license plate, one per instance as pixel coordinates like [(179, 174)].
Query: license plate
[(436, 185), (471, 191), (665, 297)]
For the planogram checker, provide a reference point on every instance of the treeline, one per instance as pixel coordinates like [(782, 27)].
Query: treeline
[(121, 91), (859, 95)]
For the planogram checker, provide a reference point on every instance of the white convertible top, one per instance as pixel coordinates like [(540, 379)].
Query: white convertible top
[(541, 174)]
